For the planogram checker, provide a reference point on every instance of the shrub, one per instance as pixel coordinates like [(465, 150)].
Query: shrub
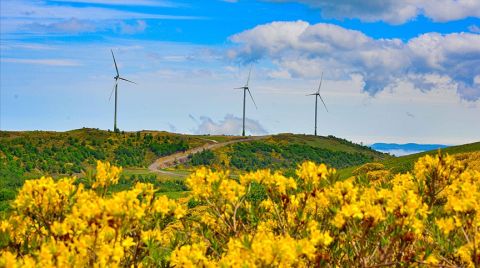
[(263, 218)]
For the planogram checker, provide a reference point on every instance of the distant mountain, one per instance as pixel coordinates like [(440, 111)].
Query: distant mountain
[(405, 149)]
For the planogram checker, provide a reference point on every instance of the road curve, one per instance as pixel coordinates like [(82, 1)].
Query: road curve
[(181, 157)]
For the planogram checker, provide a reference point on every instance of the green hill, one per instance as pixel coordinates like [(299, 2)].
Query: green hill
[(286, 151), (31, 154), (405, 163), (48, 152)]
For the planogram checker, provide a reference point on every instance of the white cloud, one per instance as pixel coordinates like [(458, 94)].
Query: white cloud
[(25, 46), (394, 11), (157, 3), (19, 9), (137, 27), (230, 125), (26, 16), (49, 62), (306, 50), (71, 26), (448, 10)]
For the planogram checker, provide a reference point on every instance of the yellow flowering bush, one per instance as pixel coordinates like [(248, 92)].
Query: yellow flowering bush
[(63, 224), (260, 219), (472, 160), (314, 219)]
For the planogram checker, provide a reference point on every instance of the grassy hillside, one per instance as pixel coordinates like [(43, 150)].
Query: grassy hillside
[(405, 163), (286, 151), (33, 153)]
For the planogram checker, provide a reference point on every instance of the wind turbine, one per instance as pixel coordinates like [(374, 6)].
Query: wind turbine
[(245, 89), (115, 88), (317, 96)]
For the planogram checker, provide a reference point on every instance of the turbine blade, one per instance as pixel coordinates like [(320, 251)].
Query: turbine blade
[(114, 87), (319, 86), (115, 62), (121, 78), (323, 102), (249, 73), (238, 88), (252, 98), (313, 94)]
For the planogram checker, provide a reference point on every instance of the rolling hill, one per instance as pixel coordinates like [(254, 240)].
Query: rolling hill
[(286, 151), (31, 154), (35, 153)]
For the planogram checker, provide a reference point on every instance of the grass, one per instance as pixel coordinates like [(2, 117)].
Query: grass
[(175, 195)]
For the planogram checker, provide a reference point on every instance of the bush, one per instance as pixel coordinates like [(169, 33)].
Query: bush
[(368, 167), (203, 158), (425, 218), (7, 194)]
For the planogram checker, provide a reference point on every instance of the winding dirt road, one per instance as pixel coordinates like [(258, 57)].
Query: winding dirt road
[(182, 157)]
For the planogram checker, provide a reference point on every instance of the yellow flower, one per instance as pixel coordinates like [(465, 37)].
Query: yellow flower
[(7, 259), (191, 256), (313, 174), (446, 225), (431, 259), (106, 175), (128, 242)]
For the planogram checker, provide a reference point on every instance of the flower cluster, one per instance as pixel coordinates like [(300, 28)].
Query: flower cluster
[(263, 218), (316, 219), (61, 224)]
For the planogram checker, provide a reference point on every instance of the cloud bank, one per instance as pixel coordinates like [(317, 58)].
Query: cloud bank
[(305, 50), (230, 125), (394, 11)]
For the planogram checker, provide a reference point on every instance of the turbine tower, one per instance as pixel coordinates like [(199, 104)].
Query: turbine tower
[(245, 89), (317, 96), (115, 88)]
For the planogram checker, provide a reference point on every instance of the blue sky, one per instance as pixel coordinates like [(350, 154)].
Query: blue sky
[(394, 71)]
